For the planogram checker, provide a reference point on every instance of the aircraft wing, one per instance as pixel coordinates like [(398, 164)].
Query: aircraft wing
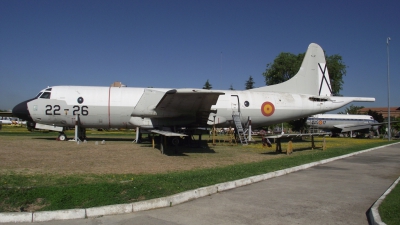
[(296, 135), (168, 133), (355, 127), (177, 103), (189, 100)]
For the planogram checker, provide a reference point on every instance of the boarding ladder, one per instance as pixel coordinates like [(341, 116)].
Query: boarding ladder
[(239, 128), (247, 130)]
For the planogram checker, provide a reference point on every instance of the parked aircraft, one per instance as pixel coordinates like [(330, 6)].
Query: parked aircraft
[(166, 111), (6, 120), (341, 123), (10, 120)]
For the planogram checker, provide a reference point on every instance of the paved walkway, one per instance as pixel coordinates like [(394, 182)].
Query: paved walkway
[(338, 192)]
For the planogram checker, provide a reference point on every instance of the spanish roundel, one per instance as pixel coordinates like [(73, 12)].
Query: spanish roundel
[(267, 108)]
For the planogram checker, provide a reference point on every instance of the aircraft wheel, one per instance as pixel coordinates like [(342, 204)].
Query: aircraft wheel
[(62, 137), (175, 141)]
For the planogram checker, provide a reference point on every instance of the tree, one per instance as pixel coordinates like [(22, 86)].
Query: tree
[(250, 83), (207, 85), (377, 116), (286, 65), (336, 69), (299, 124), (352, 109), (396, 124)]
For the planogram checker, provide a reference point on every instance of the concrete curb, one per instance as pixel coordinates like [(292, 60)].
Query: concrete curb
[(16, 217), (373, 212), (168, 201), (59, 215), (108, 210)]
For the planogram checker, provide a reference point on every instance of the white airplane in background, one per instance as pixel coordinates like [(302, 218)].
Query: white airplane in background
[(5, 120), (166, 111), (340, 123), (10, 120)]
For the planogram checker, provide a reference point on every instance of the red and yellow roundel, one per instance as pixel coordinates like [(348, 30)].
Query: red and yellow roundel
[(320, 122), (267, 108)]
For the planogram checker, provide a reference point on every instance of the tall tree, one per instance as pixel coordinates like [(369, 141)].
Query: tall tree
[(207, 85), (352, 109), (377, 116), (286, 65), (396, 125), (250, 83), (336, 69), (299, 124)]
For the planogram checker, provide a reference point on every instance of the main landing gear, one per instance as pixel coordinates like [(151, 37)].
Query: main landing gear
[(80, 132), (81, 135), (62, 136)]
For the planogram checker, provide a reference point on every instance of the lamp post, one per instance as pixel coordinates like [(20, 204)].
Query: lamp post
[(387, 45)]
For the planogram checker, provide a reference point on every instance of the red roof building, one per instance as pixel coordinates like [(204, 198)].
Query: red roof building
[(394, 111)]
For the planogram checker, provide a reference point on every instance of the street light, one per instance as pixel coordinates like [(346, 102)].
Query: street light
[(387, 45)]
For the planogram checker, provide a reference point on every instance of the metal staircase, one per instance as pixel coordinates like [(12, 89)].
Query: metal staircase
[(239, 128)]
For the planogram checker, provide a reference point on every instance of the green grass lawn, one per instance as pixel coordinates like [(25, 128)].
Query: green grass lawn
[(40, 192), (389, 210)]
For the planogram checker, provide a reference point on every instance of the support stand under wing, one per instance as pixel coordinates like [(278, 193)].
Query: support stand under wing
[(163, 138)]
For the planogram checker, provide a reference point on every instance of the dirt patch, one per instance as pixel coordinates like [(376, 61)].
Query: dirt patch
[(29, 155)]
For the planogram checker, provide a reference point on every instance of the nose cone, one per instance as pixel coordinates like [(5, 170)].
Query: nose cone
[(21, 111)]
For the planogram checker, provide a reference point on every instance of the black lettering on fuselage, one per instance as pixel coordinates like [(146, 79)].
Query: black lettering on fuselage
[(78, 110)]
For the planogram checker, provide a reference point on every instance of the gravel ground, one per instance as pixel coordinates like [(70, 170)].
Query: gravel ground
[(29, 155)]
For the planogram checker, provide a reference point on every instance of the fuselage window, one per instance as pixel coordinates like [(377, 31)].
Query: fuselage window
[(46, 95)]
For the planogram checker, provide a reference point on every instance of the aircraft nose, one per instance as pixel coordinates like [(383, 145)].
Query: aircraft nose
[(21, 111)]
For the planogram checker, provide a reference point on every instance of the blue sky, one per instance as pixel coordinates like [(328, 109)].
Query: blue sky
[(182, 43)]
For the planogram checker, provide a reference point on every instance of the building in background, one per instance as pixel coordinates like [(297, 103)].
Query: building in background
[(394, 111)]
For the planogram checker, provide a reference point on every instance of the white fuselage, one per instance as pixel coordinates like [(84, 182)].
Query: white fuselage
[(114, 107), (338, 121)]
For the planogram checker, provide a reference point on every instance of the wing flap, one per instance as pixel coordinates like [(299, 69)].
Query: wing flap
[(189, 103), (148, 102), (188, 100)]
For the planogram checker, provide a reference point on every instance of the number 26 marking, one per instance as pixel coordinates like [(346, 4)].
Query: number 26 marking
[(80, 110)]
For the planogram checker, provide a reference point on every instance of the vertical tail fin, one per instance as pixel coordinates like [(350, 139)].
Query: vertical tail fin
[(312, 77)]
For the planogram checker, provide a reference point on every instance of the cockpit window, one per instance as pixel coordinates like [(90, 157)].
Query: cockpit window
[(37, 96), (46, 95)]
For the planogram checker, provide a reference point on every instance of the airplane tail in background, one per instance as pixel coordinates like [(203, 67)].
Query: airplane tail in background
[(312, 77)]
